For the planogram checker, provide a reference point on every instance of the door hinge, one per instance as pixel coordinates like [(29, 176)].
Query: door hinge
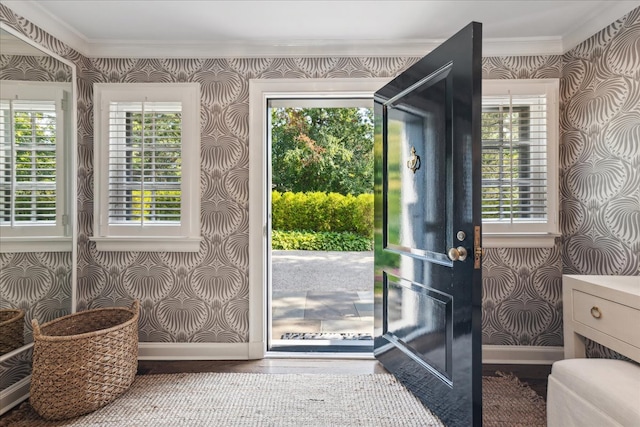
[(478, 252)]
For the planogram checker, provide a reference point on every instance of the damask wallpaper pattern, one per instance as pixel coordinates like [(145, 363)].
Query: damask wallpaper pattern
[(600, 155), (33, 69), (203, 297), (15, 368), (600, 152), (37, 282), (522, 288)]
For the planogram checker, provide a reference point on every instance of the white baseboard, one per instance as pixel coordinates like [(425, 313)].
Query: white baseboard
[(521, 354), (498, 354), (14, 394), (195, 351)]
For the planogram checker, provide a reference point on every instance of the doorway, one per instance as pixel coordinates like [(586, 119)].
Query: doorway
[(320, 285), (260, 268)]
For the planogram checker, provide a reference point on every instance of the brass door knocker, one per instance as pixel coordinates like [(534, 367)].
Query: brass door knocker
[(414, 162)]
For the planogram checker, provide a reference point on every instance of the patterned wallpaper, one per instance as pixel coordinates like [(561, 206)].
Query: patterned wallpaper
[(16, 368), (522, 288), (37, 282), (600, 155), (600, 152), (34, 69), (203, 297)]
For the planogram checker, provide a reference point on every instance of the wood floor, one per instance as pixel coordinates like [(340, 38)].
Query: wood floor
[(534, 375)]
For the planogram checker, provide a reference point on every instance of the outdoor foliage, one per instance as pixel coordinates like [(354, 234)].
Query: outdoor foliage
[(318, 211), (322, 149), (319, 241)]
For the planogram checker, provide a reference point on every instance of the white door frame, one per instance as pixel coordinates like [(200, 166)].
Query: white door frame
[(260, 90)]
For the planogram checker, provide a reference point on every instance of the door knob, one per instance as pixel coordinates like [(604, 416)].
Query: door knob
[(457, 254)]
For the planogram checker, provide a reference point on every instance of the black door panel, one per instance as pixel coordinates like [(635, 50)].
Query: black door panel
[(427, 185)]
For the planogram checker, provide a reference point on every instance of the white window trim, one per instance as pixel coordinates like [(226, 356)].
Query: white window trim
[(46, 238), (540, 236), (125, 237)]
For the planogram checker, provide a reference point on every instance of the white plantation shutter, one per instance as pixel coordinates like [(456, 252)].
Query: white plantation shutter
[(32, 192), (145, 168), (519, 156)]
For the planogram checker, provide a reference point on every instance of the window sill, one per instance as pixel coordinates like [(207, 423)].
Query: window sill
[(519, 240), (147, 244), (35, 244)]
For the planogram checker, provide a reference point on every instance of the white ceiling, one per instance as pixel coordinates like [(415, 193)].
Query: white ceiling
[(146, 28)]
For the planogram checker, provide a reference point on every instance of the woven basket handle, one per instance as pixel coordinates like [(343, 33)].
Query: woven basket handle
[(36, 327), (135, 306)]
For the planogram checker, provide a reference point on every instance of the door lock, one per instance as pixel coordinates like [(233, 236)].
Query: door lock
[(457, 254)]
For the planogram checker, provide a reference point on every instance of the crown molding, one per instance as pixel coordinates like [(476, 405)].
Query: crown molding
[(32, 11), (314, 48), (522, 46), (262, 49)]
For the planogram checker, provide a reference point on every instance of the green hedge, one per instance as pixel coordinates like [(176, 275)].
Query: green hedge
[(318, 211), (319, 241)]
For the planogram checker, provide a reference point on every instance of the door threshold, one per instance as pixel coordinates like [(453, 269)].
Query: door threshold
[(277, 354), (322, 348)]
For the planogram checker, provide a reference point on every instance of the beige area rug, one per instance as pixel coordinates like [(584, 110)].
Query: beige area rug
[(241, 399)]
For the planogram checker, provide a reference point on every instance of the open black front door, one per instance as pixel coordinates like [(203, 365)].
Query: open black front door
[(427, 175)]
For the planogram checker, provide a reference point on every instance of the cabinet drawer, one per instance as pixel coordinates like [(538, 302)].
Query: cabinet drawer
[(617, 320)]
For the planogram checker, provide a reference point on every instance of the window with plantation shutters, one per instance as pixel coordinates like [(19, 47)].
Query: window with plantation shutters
[(32, 152), (519, 162), (147, 161)]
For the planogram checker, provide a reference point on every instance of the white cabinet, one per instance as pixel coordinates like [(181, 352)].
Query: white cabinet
[(605, 309)]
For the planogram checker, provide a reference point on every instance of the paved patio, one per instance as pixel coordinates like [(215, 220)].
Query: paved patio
[(322, 292)]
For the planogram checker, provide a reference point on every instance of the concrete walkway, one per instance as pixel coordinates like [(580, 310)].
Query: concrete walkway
[(322, 292)]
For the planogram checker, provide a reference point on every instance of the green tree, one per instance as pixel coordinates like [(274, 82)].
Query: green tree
[(322, 149)]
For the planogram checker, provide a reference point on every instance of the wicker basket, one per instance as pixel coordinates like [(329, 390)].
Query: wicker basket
[(11, 329), (83, 361)]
